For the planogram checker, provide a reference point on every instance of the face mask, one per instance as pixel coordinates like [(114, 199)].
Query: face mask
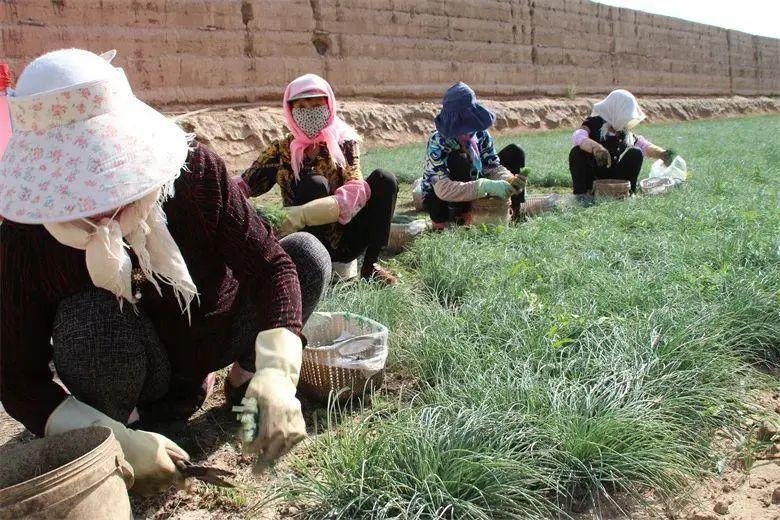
[(311, 121)]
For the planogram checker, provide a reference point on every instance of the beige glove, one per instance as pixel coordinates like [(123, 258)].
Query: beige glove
[(278, 354), (314, 213), (152, 456)]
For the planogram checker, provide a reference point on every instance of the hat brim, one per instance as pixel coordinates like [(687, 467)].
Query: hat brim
[(475, 118), (308, 95), (91, 166)]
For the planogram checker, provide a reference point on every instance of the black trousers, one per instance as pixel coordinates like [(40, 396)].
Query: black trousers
[(369, 230), (512, 157), (584, 169)]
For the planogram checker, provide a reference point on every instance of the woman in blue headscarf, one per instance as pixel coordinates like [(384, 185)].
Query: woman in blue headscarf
[(462, 164)]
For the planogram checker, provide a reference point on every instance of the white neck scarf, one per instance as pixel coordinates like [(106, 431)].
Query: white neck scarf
[(142, 225)]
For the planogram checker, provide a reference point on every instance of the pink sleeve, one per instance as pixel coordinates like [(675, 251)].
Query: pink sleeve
[(643, 144), (578, 136), (352, 196), (454, 191)]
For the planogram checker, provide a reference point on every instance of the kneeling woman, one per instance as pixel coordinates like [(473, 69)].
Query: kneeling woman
[(318, 170), (132, 261), (606, 148), (462, 164)]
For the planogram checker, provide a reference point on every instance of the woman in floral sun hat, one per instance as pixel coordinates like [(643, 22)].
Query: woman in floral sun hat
[(131, 260)]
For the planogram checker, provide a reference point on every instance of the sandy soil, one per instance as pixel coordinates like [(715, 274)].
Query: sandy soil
[(237, 133)]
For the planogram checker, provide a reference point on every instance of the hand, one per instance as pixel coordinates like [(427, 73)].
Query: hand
[(315, 213), (280, 419), (280, 425), (668, 156), (292, 221), (520, 180), (602, 156), (152, 456), (491, 188)]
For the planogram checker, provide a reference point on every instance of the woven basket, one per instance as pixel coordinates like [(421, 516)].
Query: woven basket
[(345, 356), (403, 232), (319, 382), (490, 210), (655, 185), (538, 205), (611, 188)]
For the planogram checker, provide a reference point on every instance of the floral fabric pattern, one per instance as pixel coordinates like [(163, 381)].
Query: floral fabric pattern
[(439, 150), (273, 167), (85, 150)]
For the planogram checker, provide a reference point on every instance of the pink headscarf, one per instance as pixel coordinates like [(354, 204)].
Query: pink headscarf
[(333, 135)]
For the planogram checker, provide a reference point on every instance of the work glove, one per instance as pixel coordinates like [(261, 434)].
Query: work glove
[(152, 456), (491, 188), (280, 425), (668, 156), (602, 157), (519, 181), (314, 213)]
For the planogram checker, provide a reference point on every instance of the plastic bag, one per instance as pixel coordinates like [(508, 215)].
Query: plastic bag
[(677, 171), (346, 340)]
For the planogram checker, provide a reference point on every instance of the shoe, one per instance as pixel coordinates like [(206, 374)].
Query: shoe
[(378, 273), (234, 394), (464, 219)]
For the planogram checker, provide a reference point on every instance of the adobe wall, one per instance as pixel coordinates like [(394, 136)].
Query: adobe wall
[(194, 52)]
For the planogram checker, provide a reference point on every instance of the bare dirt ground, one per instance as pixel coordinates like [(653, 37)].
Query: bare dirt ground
[(747, 489)]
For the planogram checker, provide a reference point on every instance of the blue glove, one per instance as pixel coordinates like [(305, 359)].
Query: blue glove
[(491, 188)]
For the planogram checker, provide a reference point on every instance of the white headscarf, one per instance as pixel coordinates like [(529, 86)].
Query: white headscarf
[(142, 225), (620, 109)]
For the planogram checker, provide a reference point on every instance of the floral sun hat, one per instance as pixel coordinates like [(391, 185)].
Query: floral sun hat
[(87, 146)]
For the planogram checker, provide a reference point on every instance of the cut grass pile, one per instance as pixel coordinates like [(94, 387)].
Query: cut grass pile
[(580, 355)]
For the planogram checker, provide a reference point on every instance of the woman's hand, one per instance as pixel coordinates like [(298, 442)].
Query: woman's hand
[(668, 156), (602, 157)]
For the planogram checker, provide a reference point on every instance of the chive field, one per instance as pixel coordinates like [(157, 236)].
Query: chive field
[(583, 355)]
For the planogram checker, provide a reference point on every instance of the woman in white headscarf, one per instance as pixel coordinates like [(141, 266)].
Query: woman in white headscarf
[(133, 262), (605, 147)]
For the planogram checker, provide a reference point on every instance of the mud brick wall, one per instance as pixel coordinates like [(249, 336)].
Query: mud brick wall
[(190, 52)]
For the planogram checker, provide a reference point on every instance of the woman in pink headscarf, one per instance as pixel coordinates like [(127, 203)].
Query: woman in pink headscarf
[(318, 170)]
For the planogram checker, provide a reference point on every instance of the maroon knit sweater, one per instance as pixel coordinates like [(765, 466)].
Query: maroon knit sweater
[(226, 246)]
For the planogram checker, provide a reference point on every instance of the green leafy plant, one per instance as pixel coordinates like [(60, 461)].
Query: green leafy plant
[(572, 358)]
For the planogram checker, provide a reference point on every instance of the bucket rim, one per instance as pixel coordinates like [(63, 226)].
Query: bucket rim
[(45, 482)]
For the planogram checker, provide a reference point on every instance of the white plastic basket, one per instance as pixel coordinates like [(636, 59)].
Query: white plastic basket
[(345, 355)]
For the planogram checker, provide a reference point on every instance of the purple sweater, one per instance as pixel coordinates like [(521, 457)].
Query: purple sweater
[(226, 246)]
